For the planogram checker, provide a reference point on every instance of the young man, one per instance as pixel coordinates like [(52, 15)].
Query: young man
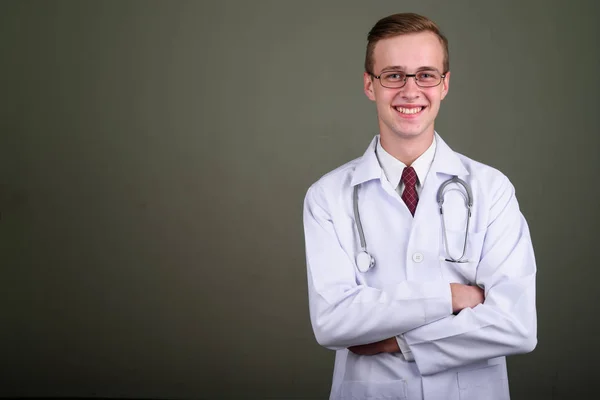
[(421, 271)]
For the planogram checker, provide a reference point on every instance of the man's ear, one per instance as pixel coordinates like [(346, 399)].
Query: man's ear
[(446, 85), (368, 86)]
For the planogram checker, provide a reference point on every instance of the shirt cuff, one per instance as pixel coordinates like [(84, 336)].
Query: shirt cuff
[(406, 352)]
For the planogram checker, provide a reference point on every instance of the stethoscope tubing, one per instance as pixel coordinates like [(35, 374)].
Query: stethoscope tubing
[(468, 204), (364, 259), (361, 233)]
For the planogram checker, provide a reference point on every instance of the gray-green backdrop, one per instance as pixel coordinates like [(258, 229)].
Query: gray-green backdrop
[(154, 156)]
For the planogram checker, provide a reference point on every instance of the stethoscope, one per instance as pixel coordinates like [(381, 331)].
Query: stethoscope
[(364, 260)]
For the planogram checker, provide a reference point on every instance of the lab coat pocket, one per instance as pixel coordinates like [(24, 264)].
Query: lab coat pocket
[(360, 390), (483, 383), (452, 247)]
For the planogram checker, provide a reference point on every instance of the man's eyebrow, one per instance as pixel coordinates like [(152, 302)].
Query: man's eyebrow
[(403, 69), (427, 69), (394, 68)]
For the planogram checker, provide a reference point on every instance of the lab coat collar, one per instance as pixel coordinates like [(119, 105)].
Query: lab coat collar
[(368, 167), (445, 161)]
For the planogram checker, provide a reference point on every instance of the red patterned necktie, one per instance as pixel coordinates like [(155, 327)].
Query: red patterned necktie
[(409, 195)]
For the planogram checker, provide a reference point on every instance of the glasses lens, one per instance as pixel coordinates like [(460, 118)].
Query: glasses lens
[(393, 79), (428, 78)]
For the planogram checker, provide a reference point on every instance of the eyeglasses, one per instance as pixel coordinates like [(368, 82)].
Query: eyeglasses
[(397, 79)]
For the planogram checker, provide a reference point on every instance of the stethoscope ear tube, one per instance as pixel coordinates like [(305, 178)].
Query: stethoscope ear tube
[(455, 179), (469, 204)]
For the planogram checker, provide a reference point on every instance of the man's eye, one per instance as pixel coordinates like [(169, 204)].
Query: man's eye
[(427, 76), (394, 77)]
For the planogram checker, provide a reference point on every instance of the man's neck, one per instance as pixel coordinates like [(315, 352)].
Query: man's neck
[(407, 150)]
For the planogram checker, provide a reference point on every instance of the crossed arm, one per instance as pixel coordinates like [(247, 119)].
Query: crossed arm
[(463, 296)]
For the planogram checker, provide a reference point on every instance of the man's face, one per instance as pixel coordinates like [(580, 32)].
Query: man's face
[(410, 111)]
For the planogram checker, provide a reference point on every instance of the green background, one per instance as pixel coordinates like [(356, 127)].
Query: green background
[(154, 157)]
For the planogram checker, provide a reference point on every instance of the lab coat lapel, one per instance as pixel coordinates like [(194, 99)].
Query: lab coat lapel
[(426, 229), (446, 164), (446, 161), (368, 167)]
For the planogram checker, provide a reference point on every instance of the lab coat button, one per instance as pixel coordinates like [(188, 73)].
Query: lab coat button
[(417, 257)]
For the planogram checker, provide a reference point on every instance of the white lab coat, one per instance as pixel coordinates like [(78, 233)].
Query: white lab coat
[(408, 293)]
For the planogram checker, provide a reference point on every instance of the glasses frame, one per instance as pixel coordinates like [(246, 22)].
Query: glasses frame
[(406, 76)]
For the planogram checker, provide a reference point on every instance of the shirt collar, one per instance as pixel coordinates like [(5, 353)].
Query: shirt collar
[(393, 168), (445, 161)]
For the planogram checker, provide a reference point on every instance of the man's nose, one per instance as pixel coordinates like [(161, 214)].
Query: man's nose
[(410, 88)]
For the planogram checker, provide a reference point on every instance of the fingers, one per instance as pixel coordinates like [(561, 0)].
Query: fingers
[(369, 349), (364, 350), (389, 345), (465, 296)]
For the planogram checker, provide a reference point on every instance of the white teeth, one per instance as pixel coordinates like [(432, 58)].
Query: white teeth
[(409, 110)]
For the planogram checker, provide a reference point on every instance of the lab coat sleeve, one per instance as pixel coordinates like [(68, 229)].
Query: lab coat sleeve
[(344, 313), (506, 322)]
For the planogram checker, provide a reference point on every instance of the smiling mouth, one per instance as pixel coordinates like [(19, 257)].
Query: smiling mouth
[(409, 111)]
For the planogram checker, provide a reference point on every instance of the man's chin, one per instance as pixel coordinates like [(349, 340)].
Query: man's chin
[(411, 134)]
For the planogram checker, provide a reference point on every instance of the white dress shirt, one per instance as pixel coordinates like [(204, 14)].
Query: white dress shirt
[(393, 168)]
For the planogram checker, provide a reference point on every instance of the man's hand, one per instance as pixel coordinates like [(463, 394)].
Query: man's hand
[(465, 296), (385, 346)]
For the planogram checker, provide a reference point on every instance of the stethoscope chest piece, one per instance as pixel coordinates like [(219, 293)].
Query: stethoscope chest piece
[(364, 261)]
